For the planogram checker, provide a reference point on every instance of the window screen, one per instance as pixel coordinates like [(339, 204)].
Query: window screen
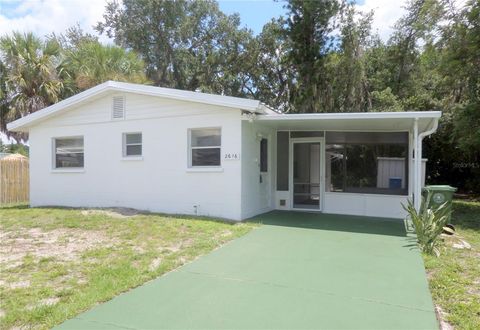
[(359, 162), (282, 160), (263, 155), (132, 144), (205, 147), (69, 152)]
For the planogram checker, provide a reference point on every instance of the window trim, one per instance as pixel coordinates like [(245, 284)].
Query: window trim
[(191, 148), (54, 155), (124, 146)]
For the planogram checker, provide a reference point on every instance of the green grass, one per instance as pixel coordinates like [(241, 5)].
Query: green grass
[(454, 277), (117, 254)]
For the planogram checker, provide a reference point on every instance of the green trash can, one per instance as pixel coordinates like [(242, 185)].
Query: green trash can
[(440, 194)]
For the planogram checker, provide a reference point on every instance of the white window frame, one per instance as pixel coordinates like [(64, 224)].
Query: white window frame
[(54, 153), (124, 145), (191, 148)]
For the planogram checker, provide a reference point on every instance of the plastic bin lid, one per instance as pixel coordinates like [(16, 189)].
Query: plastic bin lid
[(440, 188)]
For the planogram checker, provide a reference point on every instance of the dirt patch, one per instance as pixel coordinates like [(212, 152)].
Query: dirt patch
[(64, 244), (430, 274), (178, 246), (154, 264), (18, 285), (44, 302), (456, 242), (226, 233), (441, 316), (115, 212), (474, 290), (138, 249)]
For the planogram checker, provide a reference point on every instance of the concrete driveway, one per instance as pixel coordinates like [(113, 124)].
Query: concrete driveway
[(298, 270)]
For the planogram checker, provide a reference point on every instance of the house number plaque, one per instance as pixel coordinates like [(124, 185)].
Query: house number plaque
[(231, 156)]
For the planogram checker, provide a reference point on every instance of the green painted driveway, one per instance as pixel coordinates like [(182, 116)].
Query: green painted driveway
[(298, 270)]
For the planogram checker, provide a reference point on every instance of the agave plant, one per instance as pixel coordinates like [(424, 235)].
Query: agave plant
[(428, 223)]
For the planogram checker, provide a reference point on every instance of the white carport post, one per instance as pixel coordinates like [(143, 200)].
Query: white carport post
[(417, 166)]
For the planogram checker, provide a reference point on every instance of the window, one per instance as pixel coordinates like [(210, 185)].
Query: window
[(282, 160), (263, 155), (205, 147), (132, 144), (68, 152), (365, 163)]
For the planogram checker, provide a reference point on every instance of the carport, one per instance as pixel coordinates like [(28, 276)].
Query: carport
[(346, 163)]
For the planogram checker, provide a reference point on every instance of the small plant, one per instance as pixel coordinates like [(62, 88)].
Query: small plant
[(428, 223)]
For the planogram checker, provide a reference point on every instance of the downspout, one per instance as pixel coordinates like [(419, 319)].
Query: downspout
[(418, 161)]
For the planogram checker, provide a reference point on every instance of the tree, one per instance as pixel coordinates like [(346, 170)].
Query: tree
[(418, 24), (309, 30), (272, 73), (185, 44), (37, 73), (73, 37), (30, 81), (14, 148), (3, 98), (459, 67), (349, 76), (90, 63)]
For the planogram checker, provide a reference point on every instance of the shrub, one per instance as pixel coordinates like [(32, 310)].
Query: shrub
[(428, 223)]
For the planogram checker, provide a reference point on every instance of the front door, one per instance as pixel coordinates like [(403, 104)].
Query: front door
[(306, 174)]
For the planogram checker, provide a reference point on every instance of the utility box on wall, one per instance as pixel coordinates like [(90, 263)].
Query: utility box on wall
[(391, 170)]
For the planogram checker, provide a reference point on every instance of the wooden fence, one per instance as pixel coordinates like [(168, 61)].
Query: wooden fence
[(14, 179)]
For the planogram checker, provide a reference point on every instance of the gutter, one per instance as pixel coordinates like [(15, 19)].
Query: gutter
[(352, 115)]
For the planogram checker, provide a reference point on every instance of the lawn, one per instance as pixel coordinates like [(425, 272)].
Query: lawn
[(454, 277), (56, 263)]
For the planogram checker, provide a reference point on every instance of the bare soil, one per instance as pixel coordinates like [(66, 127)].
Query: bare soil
[(63, 244), (114, 212)]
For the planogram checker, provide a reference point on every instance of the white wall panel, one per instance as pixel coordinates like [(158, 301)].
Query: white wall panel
[(386, 206), (257, 197), (160, 181)]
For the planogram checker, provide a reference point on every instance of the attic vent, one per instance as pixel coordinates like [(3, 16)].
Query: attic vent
[(118, 107)]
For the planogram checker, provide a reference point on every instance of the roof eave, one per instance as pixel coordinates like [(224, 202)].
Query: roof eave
[(23, 124), (353, 115)]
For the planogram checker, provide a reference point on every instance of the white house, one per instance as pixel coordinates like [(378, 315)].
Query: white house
[(172, 151)]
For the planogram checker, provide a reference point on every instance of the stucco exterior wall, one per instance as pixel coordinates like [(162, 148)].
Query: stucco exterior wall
[(257, 187), (161, 181)]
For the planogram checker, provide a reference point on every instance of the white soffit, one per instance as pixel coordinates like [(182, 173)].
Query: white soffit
[(365, 121)]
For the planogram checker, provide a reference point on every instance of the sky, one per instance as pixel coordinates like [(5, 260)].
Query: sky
[(46, 16)]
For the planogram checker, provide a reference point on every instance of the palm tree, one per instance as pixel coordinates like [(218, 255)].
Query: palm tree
[(3, 98), (91, 63), (30, 78)]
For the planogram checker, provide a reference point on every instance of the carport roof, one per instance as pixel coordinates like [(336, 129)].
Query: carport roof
[(364, 121)]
